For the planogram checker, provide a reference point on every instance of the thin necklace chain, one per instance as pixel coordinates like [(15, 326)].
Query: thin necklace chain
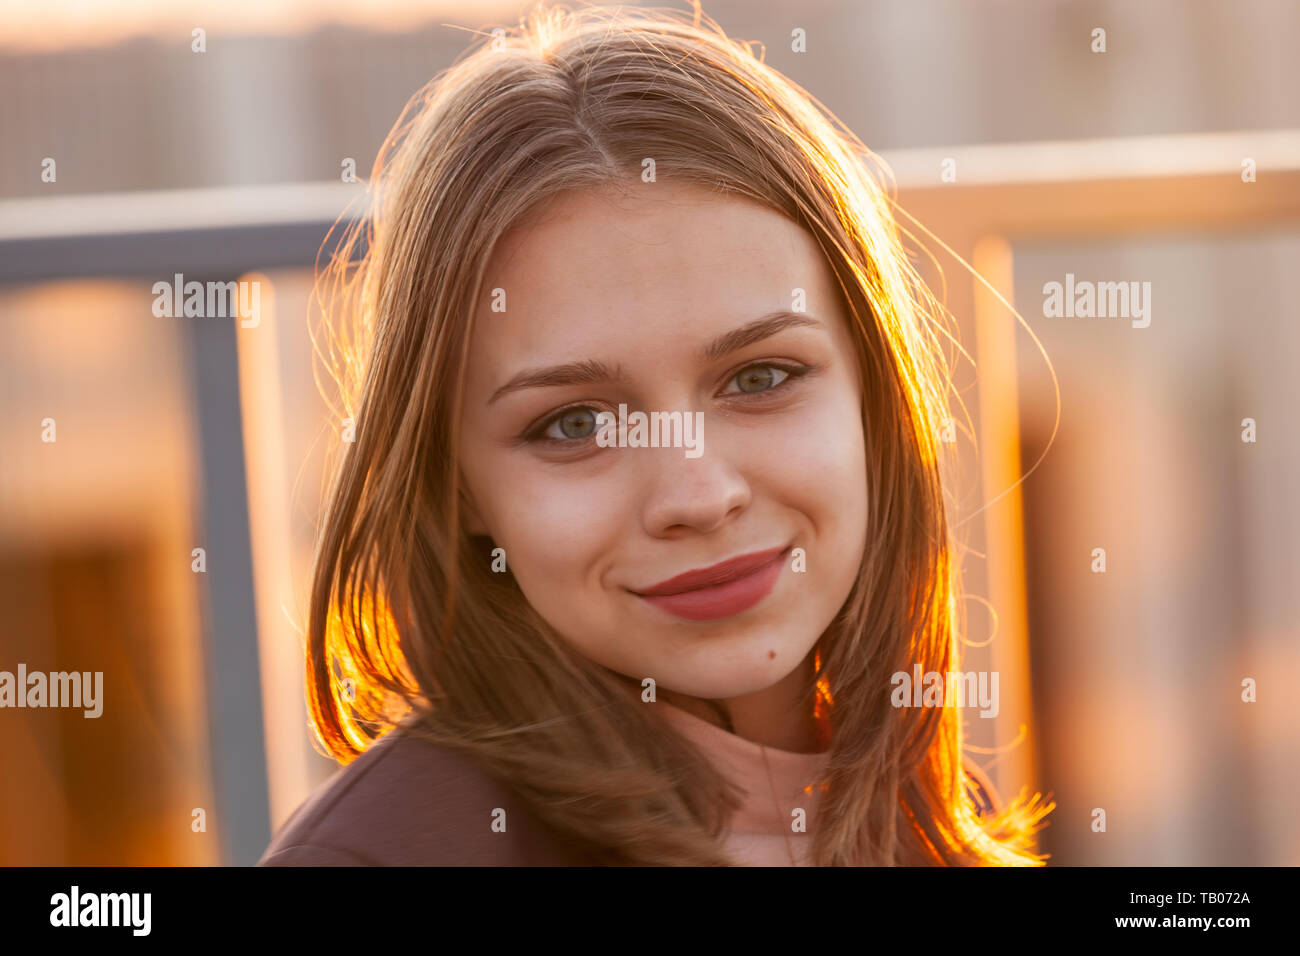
[(777, 804)]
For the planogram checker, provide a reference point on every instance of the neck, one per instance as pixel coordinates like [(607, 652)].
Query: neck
[(778, 716)]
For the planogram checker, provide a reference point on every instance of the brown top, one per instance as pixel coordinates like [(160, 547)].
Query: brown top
[(407, 802)]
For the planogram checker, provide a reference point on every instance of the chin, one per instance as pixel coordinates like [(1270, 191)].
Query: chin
[(721, 686), (719, 676)]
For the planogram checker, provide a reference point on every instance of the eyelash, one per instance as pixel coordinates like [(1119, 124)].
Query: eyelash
[(536, 434)]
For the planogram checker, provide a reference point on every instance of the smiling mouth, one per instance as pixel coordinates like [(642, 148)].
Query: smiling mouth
[(722, 590)]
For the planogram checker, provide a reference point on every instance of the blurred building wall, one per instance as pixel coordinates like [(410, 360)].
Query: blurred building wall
[(150, 114), (1138, 670)]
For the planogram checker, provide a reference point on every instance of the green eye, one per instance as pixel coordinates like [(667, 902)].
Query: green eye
[(760, 378), (574, 424)]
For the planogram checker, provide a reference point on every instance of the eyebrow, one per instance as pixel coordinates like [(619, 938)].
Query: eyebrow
[(756, 331), (598, 373)]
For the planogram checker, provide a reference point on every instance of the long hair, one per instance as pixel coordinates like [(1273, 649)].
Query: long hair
[(406, 618)]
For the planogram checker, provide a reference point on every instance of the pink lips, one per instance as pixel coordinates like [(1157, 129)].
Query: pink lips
[(718, 591)]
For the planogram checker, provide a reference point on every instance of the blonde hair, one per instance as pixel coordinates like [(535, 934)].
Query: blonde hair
[(403, 601)]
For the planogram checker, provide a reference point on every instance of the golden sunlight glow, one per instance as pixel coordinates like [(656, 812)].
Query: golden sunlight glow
[(61, 24), (357, 696)]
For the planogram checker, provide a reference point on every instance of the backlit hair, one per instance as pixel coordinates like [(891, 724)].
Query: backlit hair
[(403, 600)]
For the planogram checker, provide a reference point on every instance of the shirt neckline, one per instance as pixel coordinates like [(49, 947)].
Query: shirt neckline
[(768, 804)]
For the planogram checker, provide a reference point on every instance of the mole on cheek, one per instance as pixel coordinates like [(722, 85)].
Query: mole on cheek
[(771, 655)]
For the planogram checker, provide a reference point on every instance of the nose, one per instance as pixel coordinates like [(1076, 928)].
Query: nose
[(691, 494)]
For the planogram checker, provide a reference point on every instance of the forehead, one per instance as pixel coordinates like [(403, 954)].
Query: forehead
[(654, 263)]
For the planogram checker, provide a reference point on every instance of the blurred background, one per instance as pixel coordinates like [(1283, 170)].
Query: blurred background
[(1170, 157)]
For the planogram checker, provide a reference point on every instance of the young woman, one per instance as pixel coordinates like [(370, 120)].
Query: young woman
[(643, 509)]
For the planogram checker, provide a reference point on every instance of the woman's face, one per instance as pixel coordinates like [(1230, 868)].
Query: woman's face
[(670, 299)]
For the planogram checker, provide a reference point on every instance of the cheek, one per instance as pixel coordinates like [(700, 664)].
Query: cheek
[(555, 530), (819, 470), (558, 532), (816, 462)]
